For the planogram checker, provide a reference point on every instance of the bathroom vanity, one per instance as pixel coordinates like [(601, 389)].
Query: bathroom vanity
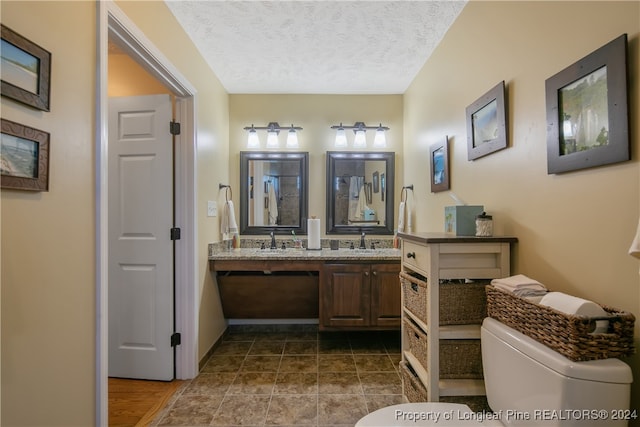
[(350, 289)]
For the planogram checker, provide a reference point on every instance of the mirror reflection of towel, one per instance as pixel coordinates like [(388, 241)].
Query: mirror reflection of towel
[(273, 206)]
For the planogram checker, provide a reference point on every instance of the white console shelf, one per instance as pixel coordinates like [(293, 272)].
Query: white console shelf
[(437, 257)]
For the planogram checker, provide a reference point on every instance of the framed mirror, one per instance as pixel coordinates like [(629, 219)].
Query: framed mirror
[(360, 192), (274, 192)]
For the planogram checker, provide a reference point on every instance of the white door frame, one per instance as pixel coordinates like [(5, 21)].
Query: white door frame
[(112, 22)]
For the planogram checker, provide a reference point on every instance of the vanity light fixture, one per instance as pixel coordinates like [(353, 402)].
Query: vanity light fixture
[(360, 140), (273, 129)]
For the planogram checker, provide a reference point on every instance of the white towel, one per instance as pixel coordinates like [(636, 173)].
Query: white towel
[(520, 285), (401, 217), (409, 210), (634, 250), (273, 206), (228, 227)]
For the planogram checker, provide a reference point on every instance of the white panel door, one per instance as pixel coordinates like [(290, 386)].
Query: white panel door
[(140, 245)]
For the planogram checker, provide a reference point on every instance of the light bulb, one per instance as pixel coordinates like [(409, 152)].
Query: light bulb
[(292, 139), (272, 139), (253, 141), (361, 140), (380, 141)]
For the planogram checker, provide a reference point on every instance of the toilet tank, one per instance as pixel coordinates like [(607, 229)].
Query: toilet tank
[(528, 384)]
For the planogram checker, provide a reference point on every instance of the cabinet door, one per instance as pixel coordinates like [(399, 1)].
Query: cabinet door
[(345, 294), (385, 295)]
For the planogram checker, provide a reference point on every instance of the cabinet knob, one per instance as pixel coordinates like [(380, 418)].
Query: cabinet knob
[(366, 273), (375, 273), (411, 255)]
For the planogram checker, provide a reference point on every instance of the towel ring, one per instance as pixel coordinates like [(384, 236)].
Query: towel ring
[(228, 194)]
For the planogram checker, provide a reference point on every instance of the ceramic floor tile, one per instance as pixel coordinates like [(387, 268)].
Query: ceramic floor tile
[(292, 410), (261, 364), (210, 384), (266, 348), (340, 409), (296, 383), (302, 336), (381, 382), (374, 363), (192, 411), (339, 383), (241, 410), (334, 347), (300, 347), (336, 363), (253, 383), (362, 346), (238, 348), (299, 364), (378, 401), (223, 363), (273, 336)]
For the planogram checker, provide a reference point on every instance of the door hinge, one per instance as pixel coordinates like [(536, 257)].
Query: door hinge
[(174, 128), (175, 339), (175, 233)]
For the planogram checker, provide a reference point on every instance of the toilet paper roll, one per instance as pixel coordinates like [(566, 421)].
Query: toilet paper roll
[(313, 231), (577, 306)]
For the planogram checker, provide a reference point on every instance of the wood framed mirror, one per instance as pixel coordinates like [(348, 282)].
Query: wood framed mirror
[(353, 204), (274, 192)]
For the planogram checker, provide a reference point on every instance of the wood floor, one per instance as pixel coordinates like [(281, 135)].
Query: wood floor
[(137, 402)]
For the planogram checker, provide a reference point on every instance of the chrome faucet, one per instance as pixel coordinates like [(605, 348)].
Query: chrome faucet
[(273, 241), (362, 244)]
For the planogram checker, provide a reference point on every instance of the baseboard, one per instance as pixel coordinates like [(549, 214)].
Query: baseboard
[(203, 361)]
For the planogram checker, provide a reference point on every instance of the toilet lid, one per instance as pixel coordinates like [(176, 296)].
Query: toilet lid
[(421, 414)]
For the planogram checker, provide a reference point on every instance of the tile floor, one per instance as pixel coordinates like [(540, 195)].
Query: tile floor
[(290, 376)]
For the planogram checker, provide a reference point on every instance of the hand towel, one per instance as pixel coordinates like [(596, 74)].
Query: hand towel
[(228, 225), (273, 206), (634, 250), (520, 285), (401, 217), (409, 209)]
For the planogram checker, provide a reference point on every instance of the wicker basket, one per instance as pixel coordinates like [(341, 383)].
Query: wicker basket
[(459, 359), (460, 303), (569, 335), (415, 391)]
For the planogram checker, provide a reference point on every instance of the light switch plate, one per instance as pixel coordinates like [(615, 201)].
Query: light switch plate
[(212, 208)]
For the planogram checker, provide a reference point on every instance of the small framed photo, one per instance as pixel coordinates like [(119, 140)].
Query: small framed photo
[(24, 157), (25, 71), (587, 112), (439, 161), (383, 186), (487, 123), (376, 182)]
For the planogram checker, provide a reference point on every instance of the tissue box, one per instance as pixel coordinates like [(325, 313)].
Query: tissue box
[(461, 220)]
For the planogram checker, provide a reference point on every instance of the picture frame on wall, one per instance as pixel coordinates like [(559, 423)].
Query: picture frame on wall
[(487, 123), (376, 182), (24, 157), (25, 73), (587, 111), (439, 161)]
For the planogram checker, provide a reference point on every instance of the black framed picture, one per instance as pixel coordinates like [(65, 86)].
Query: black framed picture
[(439, 161), (376, 182), (587, 112), (487, 123), (25, 71), (24, 157)]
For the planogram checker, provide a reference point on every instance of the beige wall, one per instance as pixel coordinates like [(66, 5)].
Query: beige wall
[(315, 114), (48, 245), (574, 229)]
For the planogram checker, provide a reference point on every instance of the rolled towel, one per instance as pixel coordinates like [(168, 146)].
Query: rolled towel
[(569, 304), (520, 285)]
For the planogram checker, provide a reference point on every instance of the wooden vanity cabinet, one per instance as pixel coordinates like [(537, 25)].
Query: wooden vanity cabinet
[(360, 296)]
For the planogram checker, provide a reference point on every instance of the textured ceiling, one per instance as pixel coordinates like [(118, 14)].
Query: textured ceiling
[(319, 47)]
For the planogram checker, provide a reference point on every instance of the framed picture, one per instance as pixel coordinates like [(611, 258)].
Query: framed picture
[(376, 182), (439, 160), (24, 157), (587, 113), (383, 186), (25, 71), (487, 123)]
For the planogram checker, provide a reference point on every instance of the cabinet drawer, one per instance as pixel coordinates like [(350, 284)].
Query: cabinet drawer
[(415, 256)]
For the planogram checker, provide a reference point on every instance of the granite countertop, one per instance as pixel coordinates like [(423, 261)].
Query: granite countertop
[(291, 254)]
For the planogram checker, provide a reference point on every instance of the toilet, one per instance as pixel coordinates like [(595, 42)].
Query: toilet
[(527, 384)]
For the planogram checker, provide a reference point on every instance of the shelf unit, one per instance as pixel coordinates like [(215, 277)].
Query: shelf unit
[(436, 257)]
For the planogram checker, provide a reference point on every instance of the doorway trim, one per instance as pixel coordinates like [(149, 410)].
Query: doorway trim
[(112, 22)]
